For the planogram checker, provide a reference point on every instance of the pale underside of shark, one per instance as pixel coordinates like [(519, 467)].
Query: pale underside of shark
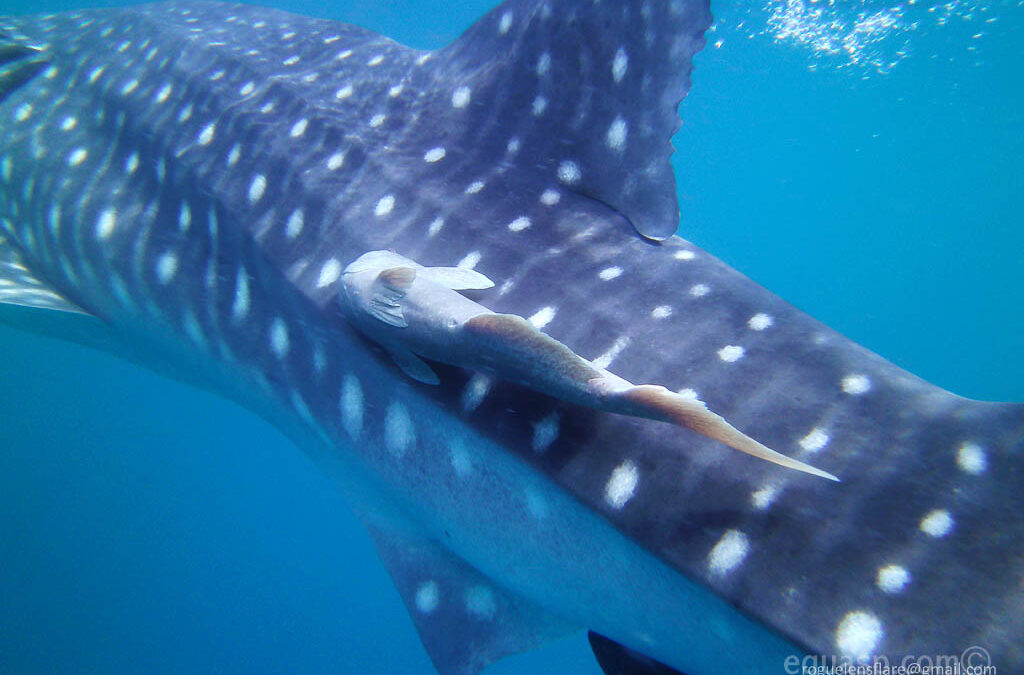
[(186, 184)]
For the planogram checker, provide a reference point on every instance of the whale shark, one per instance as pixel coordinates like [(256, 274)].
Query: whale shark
[(189, 185)]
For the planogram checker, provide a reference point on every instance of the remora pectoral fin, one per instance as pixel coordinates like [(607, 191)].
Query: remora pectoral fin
[(413, 366), (387, 292), (659, 403)]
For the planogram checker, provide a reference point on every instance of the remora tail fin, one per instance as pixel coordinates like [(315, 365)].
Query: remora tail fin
[(584, 92)]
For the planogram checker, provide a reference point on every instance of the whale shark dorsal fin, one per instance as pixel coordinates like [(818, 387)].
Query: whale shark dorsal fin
[(413, 366), (592, 90), (387, 293), (457, 278)]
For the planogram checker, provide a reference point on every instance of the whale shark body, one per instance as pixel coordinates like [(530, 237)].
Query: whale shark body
[(186, 184)]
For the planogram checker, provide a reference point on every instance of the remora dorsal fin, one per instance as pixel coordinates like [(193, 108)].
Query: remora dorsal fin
[(457, 278), (388, 291), (591, 90)]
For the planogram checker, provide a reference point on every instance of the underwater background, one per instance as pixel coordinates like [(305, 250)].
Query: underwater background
[(863, 160)]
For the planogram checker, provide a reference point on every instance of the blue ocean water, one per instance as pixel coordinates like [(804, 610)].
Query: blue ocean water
[(864, 163)]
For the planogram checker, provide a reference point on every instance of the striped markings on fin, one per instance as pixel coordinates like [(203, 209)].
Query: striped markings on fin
[(388, 291)]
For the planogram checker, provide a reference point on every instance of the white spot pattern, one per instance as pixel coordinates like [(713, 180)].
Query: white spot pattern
[(856, 384), (621, 485), (661, 312), (77, 156), (399, 434), (763, 498), (937, 523), (480, 602), (475, 392), (384, 206), (461, 97), (428, 597), (545, 433), (257, 187), (892, 578), (434, 155), (519, 224), (296, 221), (729, 552), (206, 135), (544, 64), (329, 273), (858, 635), (299, 128), (352, 406), (605, 360), (166, 268), (279, 340), (609, 273), (240, 306), (106, 223), (815, 440), (550, 197), (569, 172), (618, 132), (470, 260), (543, 317), (620, 64), (731, 353), (760, 322), (972, 459)]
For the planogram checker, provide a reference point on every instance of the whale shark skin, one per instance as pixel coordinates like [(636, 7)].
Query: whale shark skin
[(182, 185)]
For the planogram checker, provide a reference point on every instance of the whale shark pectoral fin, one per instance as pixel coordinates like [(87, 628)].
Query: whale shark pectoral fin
[(19, 64), (465, 621), (657, 402), (387, 292), (616, 659), (413, 366), (457, 278)]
